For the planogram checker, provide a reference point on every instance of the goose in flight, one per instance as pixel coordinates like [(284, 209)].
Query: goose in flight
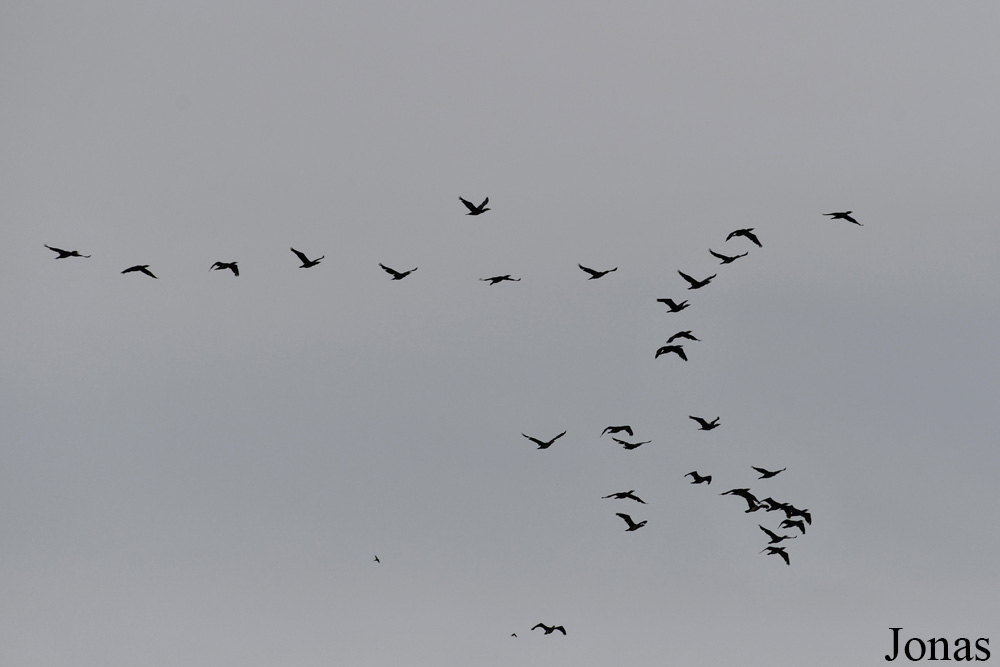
[(397, 275), (306, 262), (63, 254), (843, 215), (473, 209), (549, 629), (618, 429), (674, 306), (752, 503), (596, 274), (726, 259), (631, 445), (632, 525), (544, 444), (748, 233), (705, 424), (141, 268), (219, 266), (676, 349), (695, 284), (765, 474), (777, 550), (376, 559), (775, 538), (499, 279), (699, 479), (681, 334), (788, 523), (622, 495)]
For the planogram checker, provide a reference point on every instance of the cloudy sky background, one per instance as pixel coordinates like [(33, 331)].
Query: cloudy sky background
[(198, 470)]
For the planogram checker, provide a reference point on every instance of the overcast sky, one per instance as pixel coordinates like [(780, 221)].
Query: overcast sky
[(199, 470)]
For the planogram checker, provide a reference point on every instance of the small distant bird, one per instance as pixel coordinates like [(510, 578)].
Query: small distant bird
[(778, 550), (695, 284), (513, 634), (752, 504), (141, 268), (544, 444), (549, 629), (748, 233), (499, 279), (622, 495), (397, 275), (632, 525), (788, 523), (63, 254), (596, 274), (473, 209), (674, 306), (765, 474), (218, 266), (681, 334), (631, 445), (775, 538), (618, 429), (726, 259), (706, 425), (306, 262), (843, 215), (676, 349), (791, 510), (698, 479), (376, 559)]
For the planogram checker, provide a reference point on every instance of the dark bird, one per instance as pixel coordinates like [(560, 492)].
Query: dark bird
[(549, 629), (141, 268), (698, 479), (499, 279), (748, 233), (674, 306), (618, 429), (631, 445), (306, 262), (397, 275), (513, 634), (775, 538), (376, 559), (473, 209), (632, 525), (777, 550), (726, 259), (218, 266), (706, 425), (541, 444), (681, 334), (63, 254), (676, 349), (752, 504), (788, 523), (695, 284), (622, 495), (843, 215), (765, 474), (791, 511), (596, 274)]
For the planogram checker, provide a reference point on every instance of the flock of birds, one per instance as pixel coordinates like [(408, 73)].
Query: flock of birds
[(794, 517)]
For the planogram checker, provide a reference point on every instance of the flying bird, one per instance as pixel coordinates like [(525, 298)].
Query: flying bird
[(596, 274), (218, 266), (618, 429), (622, 495), (765, 474), (499, 279), (473, 209), (63, 254), (748, 233), (376, 559), (549, 629), (843, 215), (706, 425), (674, 306), (695, 284), (752, 503), (306, 262), (632, 525), (631, 445), (141, 268), (542, 444), (788, 523), (397, 275), (775, 538), (699, 479), (726, 259), (778, 550), (676, 349), (681, 334)]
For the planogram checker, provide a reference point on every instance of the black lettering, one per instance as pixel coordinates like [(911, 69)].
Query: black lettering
[(895, 645), (981, 648), (963, 649), (920, 643), (934, 642)]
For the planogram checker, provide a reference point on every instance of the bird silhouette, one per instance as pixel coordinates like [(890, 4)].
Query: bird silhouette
[(397, 275), (473, 209), (778, 550), (632, 525), (788, 523), (218, 266), (544, 444), (676, 349), (699, 479), (765, 474), (618, 429), (63, 254), (549, 629), (775, 538), (306, 262), (631, 445), (596, 274), (706, 425), (141, 268), (681, 334), (843, 215), (726, 259), (622, 495), (695, 284), (674, 306), (752, 504), (748, 233), (499, 279), (376, 559)]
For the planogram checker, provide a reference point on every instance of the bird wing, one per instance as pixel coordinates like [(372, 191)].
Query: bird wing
[(560, 629), (767, 532), (558, 436), (715, 254), (147, 271), (485, 202), (391, 272), (590, 271), (472, 207), (687, 278), (534, 440), (699, 420), (301, 256), (627, 518), (236, 269)]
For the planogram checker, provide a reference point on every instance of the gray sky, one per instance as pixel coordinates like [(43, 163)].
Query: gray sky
[(198, 470)]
